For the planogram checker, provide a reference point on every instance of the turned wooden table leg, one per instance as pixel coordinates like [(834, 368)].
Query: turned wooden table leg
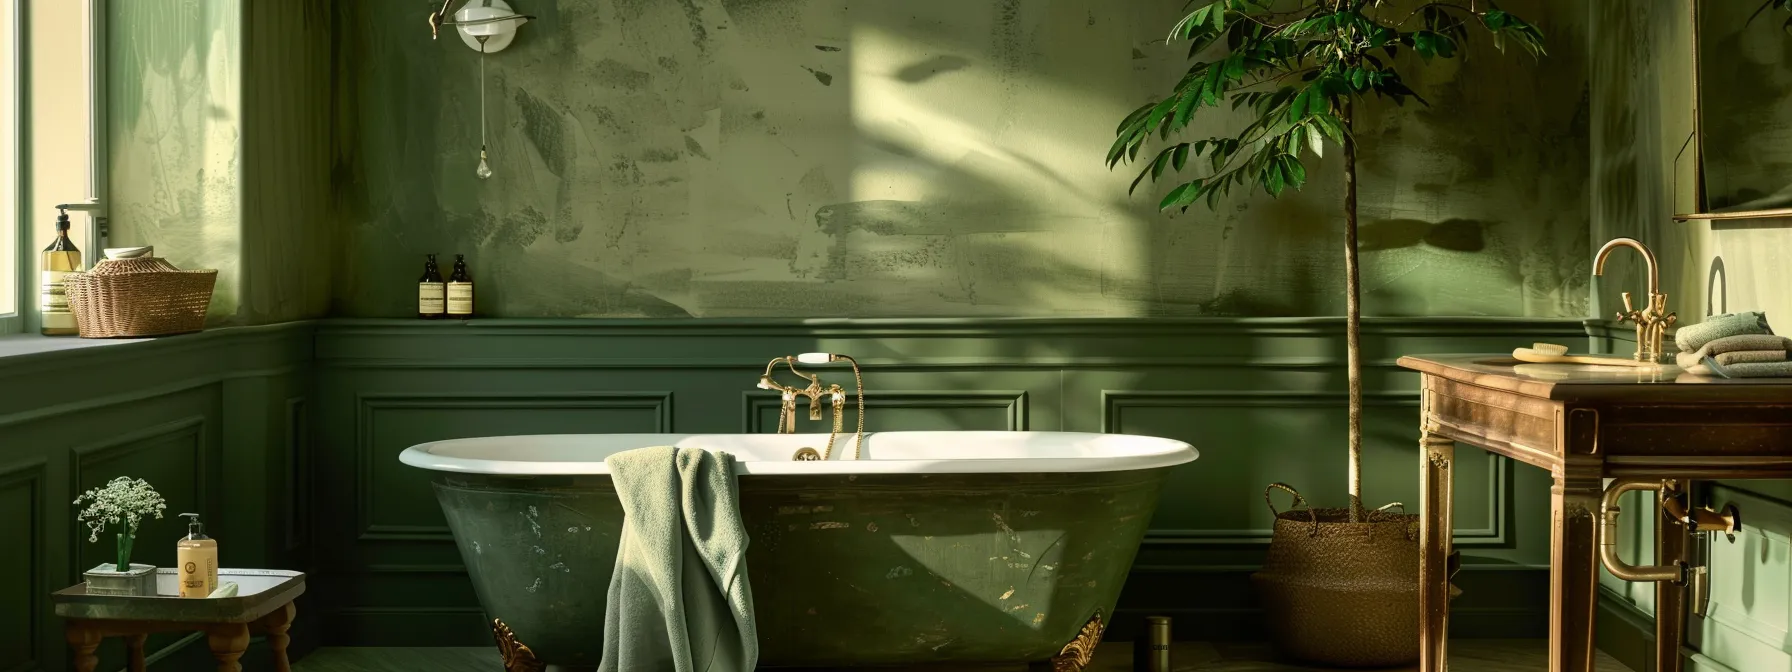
[(1435, 525), (277, 625), (133, 646), (1671, 542), (228, 641), (85, 641)]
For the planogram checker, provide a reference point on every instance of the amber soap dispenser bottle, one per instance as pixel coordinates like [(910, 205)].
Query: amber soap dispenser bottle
[(432, 293), (198, 558), (460, 290)]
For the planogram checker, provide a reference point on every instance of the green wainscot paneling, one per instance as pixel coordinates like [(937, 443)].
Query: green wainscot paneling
[(1262, 398), (193, 415)]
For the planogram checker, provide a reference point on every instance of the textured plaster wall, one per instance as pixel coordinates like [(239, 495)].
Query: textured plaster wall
[(174, 106), (286, 224), (926, 158)]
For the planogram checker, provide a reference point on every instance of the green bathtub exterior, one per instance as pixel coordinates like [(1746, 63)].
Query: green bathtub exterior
[(847, 570)]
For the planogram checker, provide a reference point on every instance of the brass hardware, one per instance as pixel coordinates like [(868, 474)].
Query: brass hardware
[(1608, 536), (516, 656), (1076, 655), (807, 455), (1654, 319), (1701, 519), (835, 398)]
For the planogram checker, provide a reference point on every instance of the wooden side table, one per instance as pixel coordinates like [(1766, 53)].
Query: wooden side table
[(1584, 424), (263, 605)]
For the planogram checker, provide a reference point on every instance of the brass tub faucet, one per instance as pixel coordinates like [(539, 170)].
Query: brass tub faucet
[(835, 395), (1654, 319)]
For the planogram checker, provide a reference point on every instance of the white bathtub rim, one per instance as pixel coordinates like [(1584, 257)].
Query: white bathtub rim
[(1145, 453)]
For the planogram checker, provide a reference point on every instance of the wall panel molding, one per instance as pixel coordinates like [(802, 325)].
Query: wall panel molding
[(1495, 533), (368, 407), (1011, 403), (30, 615)]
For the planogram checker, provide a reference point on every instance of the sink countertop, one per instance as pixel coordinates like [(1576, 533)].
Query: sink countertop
[(1583, 381)]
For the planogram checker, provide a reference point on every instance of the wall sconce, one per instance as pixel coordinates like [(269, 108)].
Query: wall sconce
[(487, 26), (484, 25)]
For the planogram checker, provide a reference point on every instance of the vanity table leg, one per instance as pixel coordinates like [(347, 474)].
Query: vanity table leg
[(1435, 526), (1671, 542), (1574, 569)]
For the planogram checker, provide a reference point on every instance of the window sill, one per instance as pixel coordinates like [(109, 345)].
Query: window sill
[(16, 345)]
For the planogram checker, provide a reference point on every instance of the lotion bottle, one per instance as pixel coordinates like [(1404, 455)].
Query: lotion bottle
[(197, 555), (432, 296), (460, 290)]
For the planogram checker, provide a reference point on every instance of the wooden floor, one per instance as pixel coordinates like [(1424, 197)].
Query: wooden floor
[(1465, 656)]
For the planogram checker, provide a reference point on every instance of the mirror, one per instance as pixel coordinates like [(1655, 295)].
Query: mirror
[(1744, 86)]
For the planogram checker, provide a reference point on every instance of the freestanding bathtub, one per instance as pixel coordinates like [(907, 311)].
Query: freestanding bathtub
[(935, 547)]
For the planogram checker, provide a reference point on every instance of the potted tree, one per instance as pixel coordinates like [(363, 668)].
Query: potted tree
[(1339, 585), (120, 506)]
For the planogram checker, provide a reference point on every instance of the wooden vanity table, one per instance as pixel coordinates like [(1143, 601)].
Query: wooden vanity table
[(1585, 424)]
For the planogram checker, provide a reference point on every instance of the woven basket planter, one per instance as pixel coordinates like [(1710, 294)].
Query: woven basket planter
[(143, 296), (1342, 593)]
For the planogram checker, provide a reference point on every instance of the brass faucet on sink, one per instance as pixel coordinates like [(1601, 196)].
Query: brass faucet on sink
[(1654, 319)]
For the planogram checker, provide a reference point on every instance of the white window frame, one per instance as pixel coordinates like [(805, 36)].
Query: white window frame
[(15, 265), (25, 219)]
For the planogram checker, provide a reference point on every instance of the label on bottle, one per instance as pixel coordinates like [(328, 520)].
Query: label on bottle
[(460, 298), (55, 295), (53, 303), (430, 298), (198, 570)]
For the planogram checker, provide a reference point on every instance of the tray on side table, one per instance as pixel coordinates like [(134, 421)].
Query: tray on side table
[(263, 603)]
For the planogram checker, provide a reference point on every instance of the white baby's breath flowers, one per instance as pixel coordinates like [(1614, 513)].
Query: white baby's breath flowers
[(124, 501)]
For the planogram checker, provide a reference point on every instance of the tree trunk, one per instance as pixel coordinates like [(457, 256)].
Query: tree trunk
[(1353, 317)]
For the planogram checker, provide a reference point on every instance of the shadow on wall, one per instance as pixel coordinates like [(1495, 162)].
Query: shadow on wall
[(803, 158)]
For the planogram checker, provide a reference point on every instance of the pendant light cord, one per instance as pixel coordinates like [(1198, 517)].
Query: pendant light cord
[(482, 96)]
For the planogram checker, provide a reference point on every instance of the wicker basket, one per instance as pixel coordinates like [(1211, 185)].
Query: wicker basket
[(144, 296), (1342, 593)]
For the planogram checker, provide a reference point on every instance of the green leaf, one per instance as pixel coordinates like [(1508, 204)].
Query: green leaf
[(1297, 172), (1135, 117), (1184, 109), (1359, 77), (1157, 167), (1319, 103), (1136, 181), (1316, 140), (1180, 197), (1180, 158), (1299, 108), (1495, 19)]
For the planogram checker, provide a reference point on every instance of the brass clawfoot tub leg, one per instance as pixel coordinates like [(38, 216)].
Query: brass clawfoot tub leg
[(517, 657), (1075, 656)]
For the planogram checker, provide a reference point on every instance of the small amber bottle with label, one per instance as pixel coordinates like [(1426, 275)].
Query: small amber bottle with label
[(432, 297), (197, 555), (460, 290)]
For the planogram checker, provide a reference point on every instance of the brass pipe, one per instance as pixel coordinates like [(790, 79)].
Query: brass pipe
[(1608, 537)]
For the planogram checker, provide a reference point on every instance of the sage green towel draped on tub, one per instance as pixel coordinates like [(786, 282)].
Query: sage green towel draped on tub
[(679, 599)]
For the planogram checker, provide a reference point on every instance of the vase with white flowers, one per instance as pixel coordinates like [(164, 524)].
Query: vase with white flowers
[(120, 507)]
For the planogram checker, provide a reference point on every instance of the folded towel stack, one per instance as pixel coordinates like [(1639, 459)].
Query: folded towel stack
[(1737, 345)]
